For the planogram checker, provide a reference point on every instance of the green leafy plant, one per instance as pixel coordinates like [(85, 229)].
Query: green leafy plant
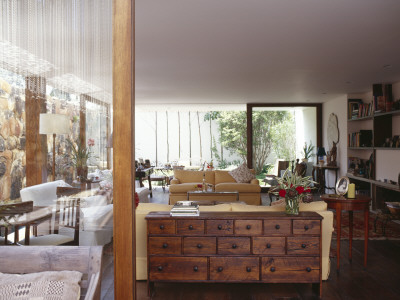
[(80, 154), (308, 150)]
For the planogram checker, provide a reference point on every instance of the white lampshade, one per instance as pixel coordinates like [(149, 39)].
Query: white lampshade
[(53, 124)]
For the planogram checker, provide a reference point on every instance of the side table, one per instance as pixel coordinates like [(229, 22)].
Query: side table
[(339, 203), (320, 176)]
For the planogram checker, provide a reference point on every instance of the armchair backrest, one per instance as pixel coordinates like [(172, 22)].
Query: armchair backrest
[(186, 176), (43, 194)]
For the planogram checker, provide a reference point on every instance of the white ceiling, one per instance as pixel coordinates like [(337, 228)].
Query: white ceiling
[(240, 51)]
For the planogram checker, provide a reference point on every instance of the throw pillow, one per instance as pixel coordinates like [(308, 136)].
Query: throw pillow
[(50, 285), (242, 174)]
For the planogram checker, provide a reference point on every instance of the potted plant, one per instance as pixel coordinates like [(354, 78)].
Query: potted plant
[(308, 151), (80, 155)]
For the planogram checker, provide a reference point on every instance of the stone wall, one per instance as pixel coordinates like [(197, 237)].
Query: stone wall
[(12, 140)]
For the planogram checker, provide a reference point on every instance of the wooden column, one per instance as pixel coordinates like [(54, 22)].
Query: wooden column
[(123, 149), (36, 144), (108, 135)]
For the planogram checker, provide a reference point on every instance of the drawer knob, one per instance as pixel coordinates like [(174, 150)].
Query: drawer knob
[(308, 269), (248, 269), (234, 246), (190, 227), (161, 227), (277, 226), (272, 269), (306, 227), (303, 246), (268, 245), (195, 268), (220, 269), (160, 268), (219, 227), (165, 245), (199, 246), (248, 227)]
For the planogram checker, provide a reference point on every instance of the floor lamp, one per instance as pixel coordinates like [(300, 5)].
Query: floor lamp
[(53, 124)]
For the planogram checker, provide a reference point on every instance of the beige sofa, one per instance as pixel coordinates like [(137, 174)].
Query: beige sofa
[(144, 208), (185, 181)]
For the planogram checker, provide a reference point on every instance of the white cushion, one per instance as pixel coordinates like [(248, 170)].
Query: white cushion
[(98, 200), (43, 194), (97, 217), (43, 285)]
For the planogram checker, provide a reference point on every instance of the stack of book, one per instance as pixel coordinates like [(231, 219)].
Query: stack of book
[(185, 209)]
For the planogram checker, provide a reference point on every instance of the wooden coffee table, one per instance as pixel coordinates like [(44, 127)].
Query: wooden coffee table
[(338, 203)]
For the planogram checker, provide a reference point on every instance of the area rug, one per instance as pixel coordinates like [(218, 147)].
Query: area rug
[(392, 231)]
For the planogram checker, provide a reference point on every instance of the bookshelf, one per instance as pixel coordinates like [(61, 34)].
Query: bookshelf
[(372, 136)]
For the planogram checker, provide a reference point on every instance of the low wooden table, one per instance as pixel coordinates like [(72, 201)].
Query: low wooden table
[(338, 203)]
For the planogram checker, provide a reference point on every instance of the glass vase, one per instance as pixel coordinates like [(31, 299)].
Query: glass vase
[(292, 206)]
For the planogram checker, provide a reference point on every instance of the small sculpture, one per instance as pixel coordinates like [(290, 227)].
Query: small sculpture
[(333, 154)]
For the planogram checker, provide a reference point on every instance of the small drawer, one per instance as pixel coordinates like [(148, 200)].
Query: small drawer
[(164, 245), (303, 245), (248, 227), (234, 268), (190, 227), (306, 226), (290, 269), (219, 227), (269, 245), (199, 245), (234, 245), (161, 226), (277, 227), (178, 268)]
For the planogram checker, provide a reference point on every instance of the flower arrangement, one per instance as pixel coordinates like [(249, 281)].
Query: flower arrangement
[(293, 188), (307, 150)]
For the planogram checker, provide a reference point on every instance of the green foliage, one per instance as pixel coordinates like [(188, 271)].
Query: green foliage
[(284, 138), (80, 154), (308, 150)]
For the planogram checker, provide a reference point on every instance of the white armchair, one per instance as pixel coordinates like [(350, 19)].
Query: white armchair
[(44, 194)]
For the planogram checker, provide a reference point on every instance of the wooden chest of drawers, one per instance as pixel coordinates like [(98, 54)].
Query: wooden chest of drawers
[(234, 247)]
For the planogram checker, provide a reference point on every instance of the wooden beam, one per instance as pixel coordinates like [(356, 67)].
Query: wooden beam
[(123, 148), (36, 144)]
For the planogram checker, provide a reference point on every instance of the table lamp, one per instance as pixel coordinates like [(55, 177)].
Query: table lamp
[(53, 124), (320, 154)]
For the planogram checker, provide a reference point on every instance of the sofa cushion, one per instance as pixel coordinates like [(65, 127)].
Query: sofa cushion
[(42, 285), (97, 217), (218, 207), (223, 176), (97, 200), (185, 176), (43, 194), (183, 187), (242, 174), (246, 207), (238, 187)]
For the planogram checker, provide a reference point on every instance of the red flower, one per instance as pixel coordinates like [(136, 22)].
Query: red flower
[(136, 199), (300, 189), (308, 190), (199, 185), (282, 193)]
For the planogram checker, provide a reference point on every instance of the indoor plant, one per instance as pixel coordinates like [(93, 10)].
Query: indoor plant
[(80, 155), (293, 188), (308, 151)]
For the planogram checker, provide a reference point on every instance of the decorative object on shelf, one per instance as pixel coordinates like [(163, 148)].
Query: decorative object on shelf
[(80, 156), (351, 193), (53, 124), (342, 186), (308, 151), (320, 154), (332, 156), (293, 188), (204, 186)]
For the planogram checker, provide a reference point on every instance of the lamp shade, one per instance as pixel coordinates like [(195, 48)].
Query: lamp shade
[(321, 151), (53, 124)]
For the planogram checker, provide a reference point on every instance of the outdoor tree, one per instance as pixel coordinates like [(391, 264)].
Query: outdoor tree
[(211, 116), (285, 148), (233, 127)]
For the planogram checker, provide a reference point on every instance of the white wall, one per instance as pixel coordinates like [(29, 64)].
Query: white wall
[(337, 106)]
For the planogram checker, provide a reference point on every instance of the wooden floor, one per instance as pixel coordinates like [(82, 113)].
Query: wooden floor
[(380, 280)]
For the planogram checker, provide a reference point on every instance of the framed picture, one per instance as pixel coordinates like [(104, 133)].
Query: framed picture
[(342, 185)]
